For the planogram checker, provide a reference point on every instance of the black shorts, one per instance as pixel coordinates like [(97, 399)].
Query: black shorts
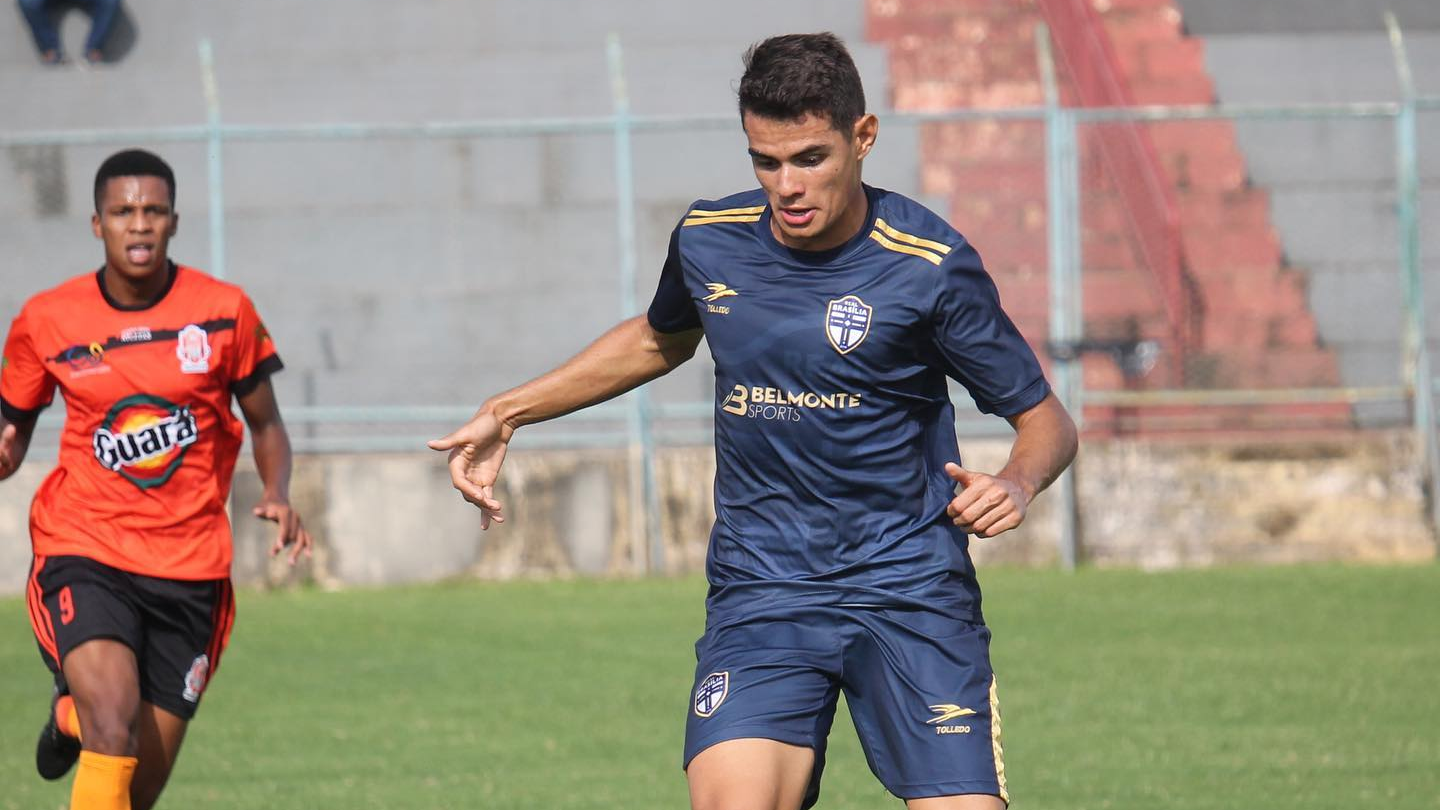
[(177, 628)]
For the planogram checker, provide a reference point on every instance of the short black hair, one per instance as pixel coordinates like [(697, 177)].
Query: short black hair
[(790, 76), (133, 163)]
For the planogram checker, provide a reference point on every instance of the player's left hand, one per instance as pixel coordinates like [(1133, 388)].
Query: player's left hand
[(987, 504), (292, 531)]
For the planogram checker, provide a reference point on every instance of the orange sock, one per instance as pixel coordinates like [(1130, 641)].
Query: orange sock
[(102, 782), (66, 717)]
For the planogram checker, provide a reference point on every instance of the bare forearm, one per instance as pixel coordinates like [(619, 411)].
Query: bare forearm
[(1045, 444), (271, 445), (625, 357), (14, 443)]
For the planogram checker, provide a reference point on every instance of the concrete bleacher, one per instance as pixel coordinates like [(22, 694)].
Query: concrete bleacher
[(403, 271), (1288, 227), (1331, 182)]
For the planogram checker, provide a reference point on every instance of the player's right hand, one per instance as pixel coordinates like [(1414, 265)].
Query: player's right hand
[(477, 449), (10, 452)]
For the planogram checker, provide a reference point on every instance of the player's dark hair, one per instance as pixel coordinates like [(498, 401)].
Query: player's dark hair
[(790, 76), (133, 163)]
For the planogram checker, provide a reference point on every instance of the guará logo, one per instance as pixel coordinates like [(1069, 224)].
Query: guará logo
[(144, 438)]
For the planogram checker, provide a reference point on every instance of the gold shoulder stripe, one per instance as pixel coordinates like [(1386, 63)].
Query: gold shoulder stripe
[(725, 212), (899, 248), (710, 220), (900, 236)]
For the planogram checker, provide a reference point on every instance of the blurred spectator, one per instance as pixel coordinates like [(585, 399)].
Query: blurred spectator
[(47, 36)]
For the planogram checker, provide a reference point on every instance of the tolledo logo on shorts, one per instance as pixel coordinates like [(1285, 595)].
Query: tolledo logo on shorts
[(144, 438)]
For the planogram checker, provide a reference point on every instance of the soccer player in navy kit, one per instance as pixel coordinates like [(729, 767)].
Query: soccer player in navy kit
[(838, 559)]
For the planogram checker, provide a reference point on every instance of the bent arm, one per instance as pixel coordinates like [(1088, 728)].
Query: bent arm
[(14, 442), (273, 460), (627, 356), (1045, 444), (269, 441)]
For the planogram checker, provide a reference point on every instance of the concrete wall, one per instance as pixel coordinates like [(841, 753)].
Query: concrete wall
[(384, 519)]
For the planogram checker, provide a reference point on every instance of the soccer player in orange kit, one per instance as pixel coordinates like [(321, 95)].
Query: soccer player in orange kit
[(130, 596)]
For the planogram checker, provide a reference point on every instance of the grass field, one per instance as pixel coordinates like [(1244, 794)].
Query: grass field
[(1305, 688)]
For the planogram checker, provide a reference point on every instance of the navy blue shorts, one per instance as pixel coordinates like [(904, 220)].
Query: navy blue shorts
[(919, 686)]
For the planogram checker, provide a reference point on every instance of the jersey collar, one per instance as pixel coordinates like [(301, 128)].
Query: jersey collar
[(170, 275), (817, 258)]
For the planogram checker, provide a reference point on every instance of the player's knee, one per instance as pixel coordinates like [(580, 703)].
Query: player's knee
[(110, 732), (739, 795)]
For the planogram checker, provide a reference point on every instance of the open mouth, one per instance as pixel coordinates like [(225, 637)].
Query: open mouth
[(797, 217), (141, 253)]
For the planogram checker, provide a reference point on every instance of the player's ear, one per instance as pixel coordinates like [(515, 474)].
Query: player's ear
[(95, 225), (174, 223), (867, 129)]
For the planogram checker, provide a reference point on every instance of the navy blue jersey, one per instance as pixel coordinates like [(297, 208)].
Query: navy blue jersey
[(832, 418)]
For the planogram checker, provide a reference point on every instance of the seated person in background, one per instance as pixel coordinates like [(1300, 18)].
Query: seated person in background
[(47, 36)]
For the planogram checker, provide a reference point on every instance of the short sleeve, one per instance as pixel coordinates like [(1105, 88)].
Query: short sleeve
[(26, 388), (673, 310), (255, 358), (981, 347)]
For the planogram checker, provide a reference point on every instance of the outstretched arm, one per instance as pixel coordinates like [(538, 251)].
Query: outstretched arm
[(273, 461), (627, 356), (1045, 444), (14, 441)]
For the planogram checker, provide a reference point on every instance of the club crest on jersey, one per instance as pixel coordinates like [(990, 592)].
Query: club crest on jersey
[(144, 438), (847, 322), (196, 677), (192, 346), (711, 693)]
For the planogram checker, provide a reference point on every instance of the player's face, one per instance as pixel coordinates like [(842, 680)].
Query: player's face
[(136, 222), (811, 175)]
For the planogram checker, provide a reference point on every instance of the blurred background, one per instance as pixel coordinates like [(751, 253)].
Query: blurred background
[(1207, 216)]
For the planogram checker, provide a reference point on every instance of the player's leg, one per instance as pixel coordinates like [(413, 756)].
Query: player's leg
[(765, 696), (187, 627), (160, 735), (752, 773), (104, 682), (87, 629), (922, 694)]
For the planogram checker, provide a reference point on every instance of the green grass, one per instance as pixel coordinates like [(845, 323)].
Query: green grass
[(1309, 687)]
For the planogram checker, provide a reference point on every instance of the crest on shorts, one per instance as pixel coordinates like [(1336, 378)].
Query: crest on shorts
[(196, 677), (847, 322), (711, 693), (192, 346)]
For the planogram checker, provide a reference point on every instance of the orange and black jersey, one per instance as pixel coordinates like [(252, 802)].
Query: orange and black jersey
[(150, 438)]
